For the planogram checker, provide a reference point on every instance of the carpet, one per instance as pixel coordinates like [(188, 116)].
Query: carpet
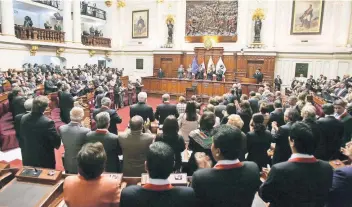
[(123, 113)]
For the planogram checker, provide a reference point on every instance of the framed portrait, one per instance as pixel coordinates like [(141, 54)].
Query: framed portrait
[(307, 17), (140, 24), (139, 64), (301, 68)]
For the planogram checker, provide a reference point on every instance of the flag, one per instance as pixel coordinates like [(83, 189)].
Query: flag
[(210, 65), (194, 65), (219, 64)]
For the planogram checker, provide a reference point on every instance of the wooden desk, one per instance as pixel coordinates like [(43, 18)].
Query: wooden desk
[(177, 87)]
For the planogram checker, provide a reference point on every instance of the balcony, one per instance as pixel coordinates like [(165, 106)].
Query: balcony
[(92, 11), (96, 41), (54, 4), (38, 34)]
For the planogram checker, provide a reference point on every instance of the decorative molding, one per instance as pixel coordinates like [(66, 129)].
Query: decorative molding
[(121, 3), (107, 54), (59, 50), (108, 3), (91, 53), (159, 1), (33, 50)]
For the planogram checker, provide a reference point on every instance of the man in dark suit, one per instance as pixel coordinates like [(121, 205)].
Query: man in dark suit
[(230, 182), (278, 83), (220, 107), (109, 140), (254, 102), (301, 181), (17, 102), (138, 86), (39, 136), (73, 135), (277, 115), (258, 75), (342, 91), (142, 109), (331, 135), (342, 115), (66, 103), (308, 114), (17, 123), (165, 109), (100, 94), (114, 117), (340, 192), (282, 149), (49, 86), (158, 192), (232, 96)]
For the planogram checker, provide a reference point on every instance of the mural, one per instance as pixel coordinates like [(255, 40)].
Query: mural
[(211, 18)]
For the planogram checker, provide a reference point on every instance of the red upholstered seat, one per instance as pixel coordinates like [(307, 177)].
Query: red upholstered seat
[(6, 126), (55, 110), (93, 124), (6, 106), (8, 140), (7, 117), (2, 112)]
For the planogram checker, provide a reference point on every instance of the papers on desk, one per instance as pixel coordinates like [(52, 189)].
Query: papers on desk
[(185, 155)]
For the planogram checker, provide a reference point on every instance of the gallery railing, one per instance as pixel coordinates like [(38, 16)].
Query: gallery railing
[(38, 34), (54, 4), (93, 11), (96, 41)]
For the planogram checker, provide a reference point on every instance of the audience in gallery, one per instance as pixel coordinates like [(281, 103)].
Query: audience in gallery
[(254, 144)]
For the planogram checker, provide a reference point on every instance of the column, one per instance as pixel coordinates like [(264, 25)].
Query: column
[(77, 21), (67, 21), (243, 23), (8, 22), (113, 24), (270, 23), (180, 19), (159, 38), (122, 36)]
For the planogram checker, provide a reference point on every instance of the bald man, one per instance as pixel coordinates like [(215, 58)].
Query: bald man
[(135, 144)]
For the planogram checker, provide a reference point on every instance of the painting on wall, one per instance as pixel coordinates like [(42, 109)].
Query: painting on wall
[(139, 64), (140, 24), (217, 19), (307, 17), (301, 68)]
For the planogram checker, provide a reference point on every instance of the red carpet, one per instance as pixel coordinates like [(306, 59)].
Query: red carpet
[(123, 113)]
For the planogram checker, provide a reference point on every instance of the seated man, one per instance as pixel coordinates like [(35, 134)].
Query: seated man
[(90, 188), (165, 109), (302, 180), (158, 192), (230, 182), (114, 117), (109, 140)]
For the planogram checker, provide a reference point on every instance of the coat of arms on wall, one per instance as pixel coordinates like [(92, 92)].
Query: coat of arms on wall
[(307, 17), (140, 24), (217, 19)]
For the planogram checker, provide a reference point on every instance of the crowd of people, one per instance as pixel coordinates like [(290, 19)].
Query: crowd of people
[(233, 140)]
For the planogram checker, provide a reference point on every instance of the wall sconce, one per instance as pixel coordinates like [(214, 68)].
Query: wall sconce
[(121, 3), (107, 54), (91, 53), (59, 51), (33, 50)]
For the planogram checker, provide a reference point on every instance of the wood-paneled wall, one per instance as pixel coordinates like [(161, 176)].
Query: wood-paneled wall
[(265, 63)]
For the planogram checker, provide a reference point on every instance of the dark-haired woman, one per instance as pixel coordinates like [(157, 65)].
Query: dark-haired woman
[(258, 142), (189, 120), (171, 137), (245, 114)]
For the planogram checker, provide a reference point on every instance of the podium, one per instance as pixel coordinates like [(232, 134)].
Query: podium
[(248, 80)]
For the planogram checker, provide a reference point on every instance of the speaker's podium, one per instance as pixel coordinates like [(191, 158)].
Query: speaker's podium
[(248, 80)]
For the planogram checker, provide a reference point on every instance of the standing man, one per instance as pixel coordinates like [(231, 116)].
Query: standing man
[(142, 109), (165, 109), (342, 115), (160, 73), (73, 135), (301, 181), (17, 123), (139, 86), (114, 117), (180, 72), (49, 86), (130, 88), (17, 102), (258, 75), (278, 83), (39, 136), (66, 102)]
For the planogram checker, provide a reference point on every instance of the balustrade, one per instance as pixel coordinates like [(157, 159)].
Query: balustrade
[(38, 34), (54, 4), (93, 11), (96, 41)]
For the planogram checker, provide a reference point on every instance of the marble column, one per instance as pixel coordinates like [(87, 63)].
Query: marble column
[(67, 21), (8, 22), (113, 26), (77, 21), (159, 38), (122, 35), (270, 23)]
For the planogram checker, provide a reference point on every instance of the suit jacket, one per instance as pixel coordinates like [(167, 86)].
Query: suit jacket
[(98, 100), (219, 109), (66, 103), (102, 191), (114, 118), (259, 76), (138, 196), (257, 146), (164, 110), (17, 126), (278, 116), (39, 138), (254, 104), (282, 149), (223, 188), (18, 105), (340, 192), (142, 110), (246, 118), (331, 138), (293, 184), (314, 127), (72, 135), (112, 148), (347, 133), (278, 81), (49, 87), (135, 146)]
